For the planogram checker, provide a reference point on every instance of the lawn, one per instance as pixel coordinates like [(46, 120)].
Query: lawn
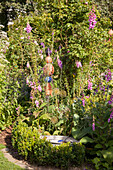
[(5, 164)]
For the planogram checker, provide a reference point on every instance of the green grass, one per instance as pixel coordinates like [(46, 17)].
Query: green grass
[(5, 164)]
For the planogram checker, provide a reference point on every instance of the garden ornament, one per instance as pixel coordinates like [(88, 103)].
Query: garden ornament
[(48, 72)]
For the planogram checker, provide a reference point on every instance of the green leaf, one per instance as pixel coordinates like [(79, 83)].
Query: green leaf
[(84, 132), (108, 154), (56, 132), (75, 133), (96, 160), (86, 140), (46, 133), (42, 105), (98, 146), (45, 116), (59, 123), (110, 143)]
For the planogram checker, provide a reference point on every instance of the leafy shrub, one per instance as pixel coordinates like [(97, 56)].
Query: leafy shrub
[(29, 144)]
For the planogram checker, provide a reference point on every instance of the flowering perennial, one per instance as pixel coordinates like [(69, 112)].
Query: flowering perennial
[(108, 76), (90, 84), (28, 28), (37, 103), (93, 126), (92, 19), (59, 63), (78, 64), (39, 88)]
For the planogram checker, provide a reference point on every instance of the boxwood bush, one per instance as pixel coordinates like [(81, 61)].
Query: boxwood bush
[(26, 140)]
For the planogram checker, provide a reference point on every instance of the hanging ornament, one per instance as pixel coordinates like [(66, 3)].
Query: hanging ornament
[(48, 71), (48, 79)]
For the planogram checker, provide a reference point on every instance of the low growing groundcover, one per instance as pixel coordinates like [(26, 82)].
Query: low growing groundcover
[(5, 164)]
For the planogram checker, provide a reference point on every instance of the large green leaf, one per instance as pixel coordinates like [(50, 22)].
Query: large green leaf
[(98, 146), (45, 116), (75, 132), (86, 139), (78, 134), (108, 154)]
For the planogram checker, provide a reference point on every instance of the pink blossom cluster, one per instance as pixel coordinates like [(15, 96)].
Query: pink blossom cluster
[(28, 28), (108, 76), (78, 64), (90, 84), (59, 63), (37, 103), (39, 88), (111, 102), (92, 19), (111, 115), (93, 126), (33, 85)]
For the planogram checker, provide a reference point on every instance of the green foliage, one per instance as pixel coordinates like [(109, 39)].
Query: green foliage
[(105, 8), (29, 144), (62, 26)]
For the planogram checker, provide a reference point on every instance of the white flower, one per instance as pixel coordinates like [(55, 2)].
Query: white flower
[(10, 23), (35, 42), (2, 50), (22, 38), (7, 43), (1, 26)]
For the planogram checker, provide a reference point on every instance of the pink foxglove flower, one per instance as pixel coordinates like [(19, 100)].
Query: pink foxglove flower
[(83, 102), (93, 126), (28, 28), (92, 19), (39, 88), (59, 63), (90, 84), (37, 103), (78, 64), (43, 44), (108, 120), (28, 65)]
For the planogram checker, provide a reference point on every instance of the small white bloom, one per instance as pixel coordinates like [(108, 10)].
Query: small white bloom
[(35, 42), (41, 57), (1, 26), (22, 38), (2, 50), (10, 9), (10, 23), (28, 65), (7, 43)]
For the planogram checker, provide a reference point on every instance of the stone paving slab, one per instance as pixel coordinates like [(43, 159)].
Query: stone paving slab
[(25, 165)]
